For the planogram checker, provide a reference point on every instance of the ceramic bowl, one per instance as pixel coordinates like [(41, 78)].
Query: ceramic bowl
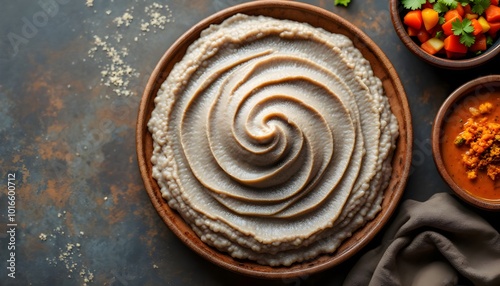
[(401, 161), (470, 94), (397, 13)]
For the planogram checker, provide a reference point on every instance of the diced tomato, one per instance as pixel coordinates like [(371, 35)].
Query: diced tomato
[(492, 13), (413, 19), (479, 44), (412, 32), (494, 2), (423, 36), (451, 14), (478, 29), (460, 9), (467, 9), (453, 55), (441, 53), (494, 28), (434, 30), (427, 5), (447, 26), (452, 44)]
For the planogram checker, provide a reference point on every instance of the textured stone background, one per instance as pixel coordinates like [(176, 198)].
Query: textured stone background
[(70, 139)]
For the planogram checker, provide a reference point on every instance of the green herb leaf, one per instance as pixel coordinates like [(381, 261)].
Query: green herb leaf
[(463, 29), (467, 39), (450, 3), (467, 26), (489, 40), (413, 4), (342, 2), (460, 27), (464, 2), (439, 34), (459, 141), (479, 6), (440, 7)]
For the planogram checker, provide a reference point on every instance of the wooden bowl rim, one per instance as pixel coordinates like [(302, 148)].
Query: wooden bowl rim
[(401, 160), (445, 109), (458, 64)]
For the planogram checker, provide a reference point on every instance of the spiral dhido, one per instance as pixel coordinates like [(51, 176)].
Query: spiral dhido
[(272, 136)]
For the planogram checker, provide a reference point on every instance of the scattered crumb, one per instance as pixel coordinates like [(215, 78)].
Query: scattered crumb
[(87, 276), (105, 198), (145, 27), (89, 3), (159, 16), (125, 19), (155, 266), (115, 72), (69, 255)]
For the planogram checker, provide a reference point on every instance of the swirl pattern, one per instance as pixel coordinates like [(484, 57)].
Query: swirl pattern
[(272, 136)]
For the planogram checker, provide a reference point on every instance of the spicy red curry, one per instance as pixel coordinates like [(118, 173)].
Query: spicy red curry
[(471, 145)]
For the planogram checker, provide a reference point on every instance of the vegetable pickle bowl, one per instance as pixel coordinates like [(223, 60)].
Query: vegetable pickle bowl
[(466, 142), (274, 138), (449, 34)]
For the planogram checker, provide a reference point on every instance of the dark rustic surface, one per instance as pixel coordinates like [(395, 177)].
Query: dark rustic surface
[(70, 140)]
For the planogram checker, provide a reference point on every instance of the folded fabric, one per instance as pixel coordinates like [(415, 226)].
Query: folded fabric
[(436, 242)]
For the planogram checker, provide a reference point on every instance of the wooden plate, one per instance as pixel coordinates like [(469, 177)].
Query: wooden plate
[(382, 68)]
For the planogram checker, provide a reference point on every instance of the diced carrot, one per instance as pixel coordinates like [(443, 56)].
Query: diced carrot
[(428, 48), (413, 19), (432, 46), (492, 13), (451, 14), (452, 44), (479, 44), (484, 24), (454, 55), (447, 26), (478, 29), (494, 2), (412, 32), (460, 9), (494, 28), (430, 18), (423, 36)]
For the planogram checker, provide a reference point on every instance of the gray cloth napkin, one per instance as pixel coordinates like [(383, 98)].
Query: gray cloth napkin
[(432, 243)]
